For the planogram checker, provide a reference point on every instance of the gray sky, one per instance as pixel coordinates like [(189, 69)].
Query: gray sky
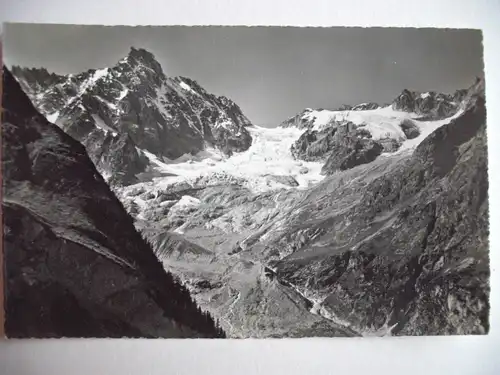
[(271, 72)]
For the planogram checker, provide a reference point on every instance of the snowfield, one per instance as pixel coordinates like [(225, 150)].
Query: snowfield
[(380, 123)]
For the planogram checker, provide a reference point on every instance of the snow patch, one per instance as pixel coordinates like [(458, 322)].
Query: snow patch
[(53, 117), (109, 104), (185, 86), (224, 123), (123, 93), (99, 73), (181, 229), (152, 158), (106, 175)]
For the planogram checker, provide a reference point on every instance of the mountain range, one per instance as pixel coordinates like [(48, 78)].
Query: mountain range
[(128, 113), (367, 220)]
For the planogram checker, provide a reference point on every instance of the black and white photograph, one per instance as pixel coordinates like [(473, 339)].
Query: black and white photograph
[(244, 182)]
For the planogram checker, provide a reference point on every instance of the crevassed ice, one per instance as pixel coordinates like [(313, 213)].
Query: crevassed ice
[(269, 154)]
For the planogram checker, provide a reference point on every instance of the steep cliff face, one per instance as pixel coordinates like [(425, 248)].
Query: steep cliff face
[(75, 265), (165, 117), (341, 147), (399, 245)]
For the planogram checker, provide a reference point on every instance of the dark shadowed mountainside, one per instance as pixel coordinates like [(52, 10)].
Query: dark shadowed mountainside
[(75, 264)]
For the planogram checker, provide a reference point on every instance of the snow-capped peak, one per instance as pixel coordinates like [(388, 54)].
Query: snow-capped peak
[(173, 115)]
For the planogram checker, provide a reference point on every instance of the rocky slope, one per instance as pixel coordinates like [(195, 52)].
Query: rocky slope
[(127, 112), (399, 245), (75, 265)]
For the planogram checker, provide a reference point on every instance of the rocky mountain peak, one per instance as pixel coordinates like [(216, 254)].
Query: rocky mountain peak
[(404, 101), (35, 79), (141, 56)]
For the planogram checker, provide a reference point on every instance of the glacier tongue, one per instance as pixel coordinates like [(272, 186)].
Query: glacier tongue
[(268, 156)]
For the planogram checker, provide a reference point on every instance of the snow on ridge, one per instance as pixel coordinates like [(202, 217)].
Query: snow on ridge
[(89, 83), (381, 123), (425, 95), (172, 84)]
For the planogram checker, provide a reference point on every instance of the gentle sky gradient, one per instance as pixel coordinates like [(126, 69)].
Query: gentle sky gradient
[(271, 72)]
